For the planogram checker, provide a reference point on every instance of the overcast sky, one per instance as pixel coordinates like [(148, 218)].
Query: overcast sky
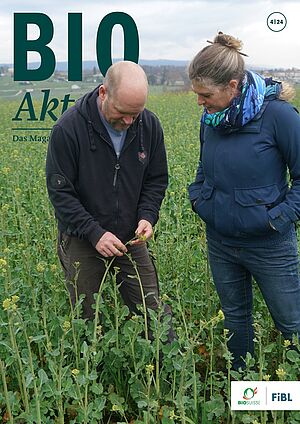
[(168, 29)]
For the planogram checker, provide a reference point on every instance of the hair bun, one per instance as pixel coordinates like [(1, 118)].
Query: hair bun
[(228, 41)]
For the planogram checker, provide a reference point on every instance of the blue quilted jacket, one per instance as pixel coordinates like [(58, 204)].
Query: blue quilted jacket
[(247, 187)]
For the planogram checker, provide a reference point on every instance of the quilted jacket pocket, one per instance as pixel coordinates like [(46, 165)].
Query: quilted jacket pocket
[(251, 214)]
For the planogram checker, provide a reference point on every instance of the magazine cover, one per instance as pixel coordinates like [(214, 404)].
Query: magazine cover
[(149, 177)]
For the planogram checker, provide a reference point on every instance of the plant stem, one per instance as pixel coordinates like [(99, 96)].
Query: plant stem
[(98, 301), (6, 396), (143, 296), (20, 373), (36, 392), (60, 404), (211, 331)]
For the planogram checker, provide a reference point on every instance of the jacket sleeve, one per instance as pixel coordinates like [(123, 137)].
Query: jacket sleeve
[(287, 133), (61, 174), (195, 187), (156, 181)]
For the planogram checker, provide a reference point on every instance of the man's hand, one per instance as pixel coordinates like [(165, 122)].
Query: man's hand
[(110, 245), (143, 232)]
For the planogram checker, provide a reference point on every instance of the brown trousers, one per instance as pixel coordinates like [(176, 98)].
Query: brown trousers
[(82, 262)]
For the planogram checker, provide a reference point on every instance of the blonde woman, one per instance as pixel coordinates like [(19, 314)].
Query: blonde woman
[(250, 139)]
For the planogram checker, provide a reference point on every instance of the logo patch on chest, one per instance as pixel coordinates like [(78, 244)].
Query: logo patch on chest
[(142, 156)]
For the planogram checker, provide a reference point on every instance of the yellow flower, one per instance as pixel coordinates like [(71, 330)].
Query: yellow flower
[(6, 304), (99, 330), (149, 369), (165, 297), (18, 191), (225, 332), (66, 326), (115, 408), (3, 263), (5, 207), (220, 315), (6, 170), (10, 303), (15, 298), (281, 373), (53, 267), (287, 343), (75, 372), (266, 377), (40, 267), (172, 415)]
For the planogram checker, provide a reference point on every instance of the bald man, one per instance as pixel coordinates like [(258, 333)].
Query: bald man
[(106, 178)]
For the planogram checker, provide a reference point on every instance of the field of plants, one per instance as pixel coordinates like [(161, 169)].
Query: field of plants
[(57, 368)]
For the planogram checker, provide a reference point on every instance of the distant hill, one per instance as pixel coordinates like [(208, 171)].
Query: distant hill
[(90, 64)]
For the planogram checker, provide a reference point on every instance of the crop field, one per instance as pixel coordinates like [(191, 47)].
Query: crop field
[(57, 368)]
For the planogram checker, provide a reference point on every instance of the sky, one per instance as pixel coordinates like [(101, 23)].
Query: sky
[(172, 29)]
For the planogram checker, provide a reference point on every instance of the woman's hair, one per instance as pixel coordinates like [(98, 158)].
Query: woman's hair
[(287, 92), (220, 62)]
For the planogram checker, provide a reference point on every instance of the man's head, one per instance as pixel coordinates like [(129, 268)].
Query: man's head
[(123, 94)]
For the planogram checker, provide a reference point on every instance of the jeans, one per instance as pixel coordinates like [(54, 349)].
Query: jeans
[(275, 269)]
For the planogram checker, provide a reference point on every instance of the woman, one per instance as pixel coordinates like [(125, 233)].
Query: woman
[(249, 137)]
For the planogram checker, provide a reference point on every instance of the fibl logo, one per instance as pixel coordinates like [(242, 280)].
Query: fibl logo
[(281, 397), (249, 394)]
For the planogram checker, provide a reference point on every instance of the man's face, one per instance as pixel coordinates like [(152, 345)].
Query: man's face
[(120, 110)]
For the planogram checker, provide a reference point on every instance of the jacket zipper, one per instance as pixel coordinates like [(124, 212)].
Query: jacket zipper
[(117, 167)]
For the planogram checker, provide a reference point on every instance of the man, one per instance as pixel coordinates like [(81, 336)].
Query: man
[(106, 177)]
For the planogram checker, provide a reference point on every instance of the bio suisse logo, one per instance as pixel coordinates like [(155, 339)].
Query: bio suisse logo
[(249, 393), (248, 396)]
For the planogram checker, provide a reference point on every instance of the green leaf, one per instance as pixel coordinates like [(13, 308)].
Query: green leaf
[(81, 380), (100, 404), (43, 376), (38, 338), (7, 346), (97, 388), (72, 392), (29, 379), (124, 312), (84, 349), (55, 352), (93, 375), (142, 404), (215, 406), (292, 355), (177, 365)]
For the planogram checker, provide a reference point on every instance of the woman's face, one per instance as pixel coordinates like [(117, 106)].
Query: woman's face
[(215, 97)]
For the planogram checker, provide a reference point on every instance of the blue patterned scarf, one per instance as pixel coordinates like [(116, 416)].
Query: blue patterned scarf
[(245, 106)]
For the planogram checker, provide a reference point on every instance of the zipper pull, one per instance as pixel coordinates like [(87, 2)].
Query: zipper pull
[(117, 167)]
